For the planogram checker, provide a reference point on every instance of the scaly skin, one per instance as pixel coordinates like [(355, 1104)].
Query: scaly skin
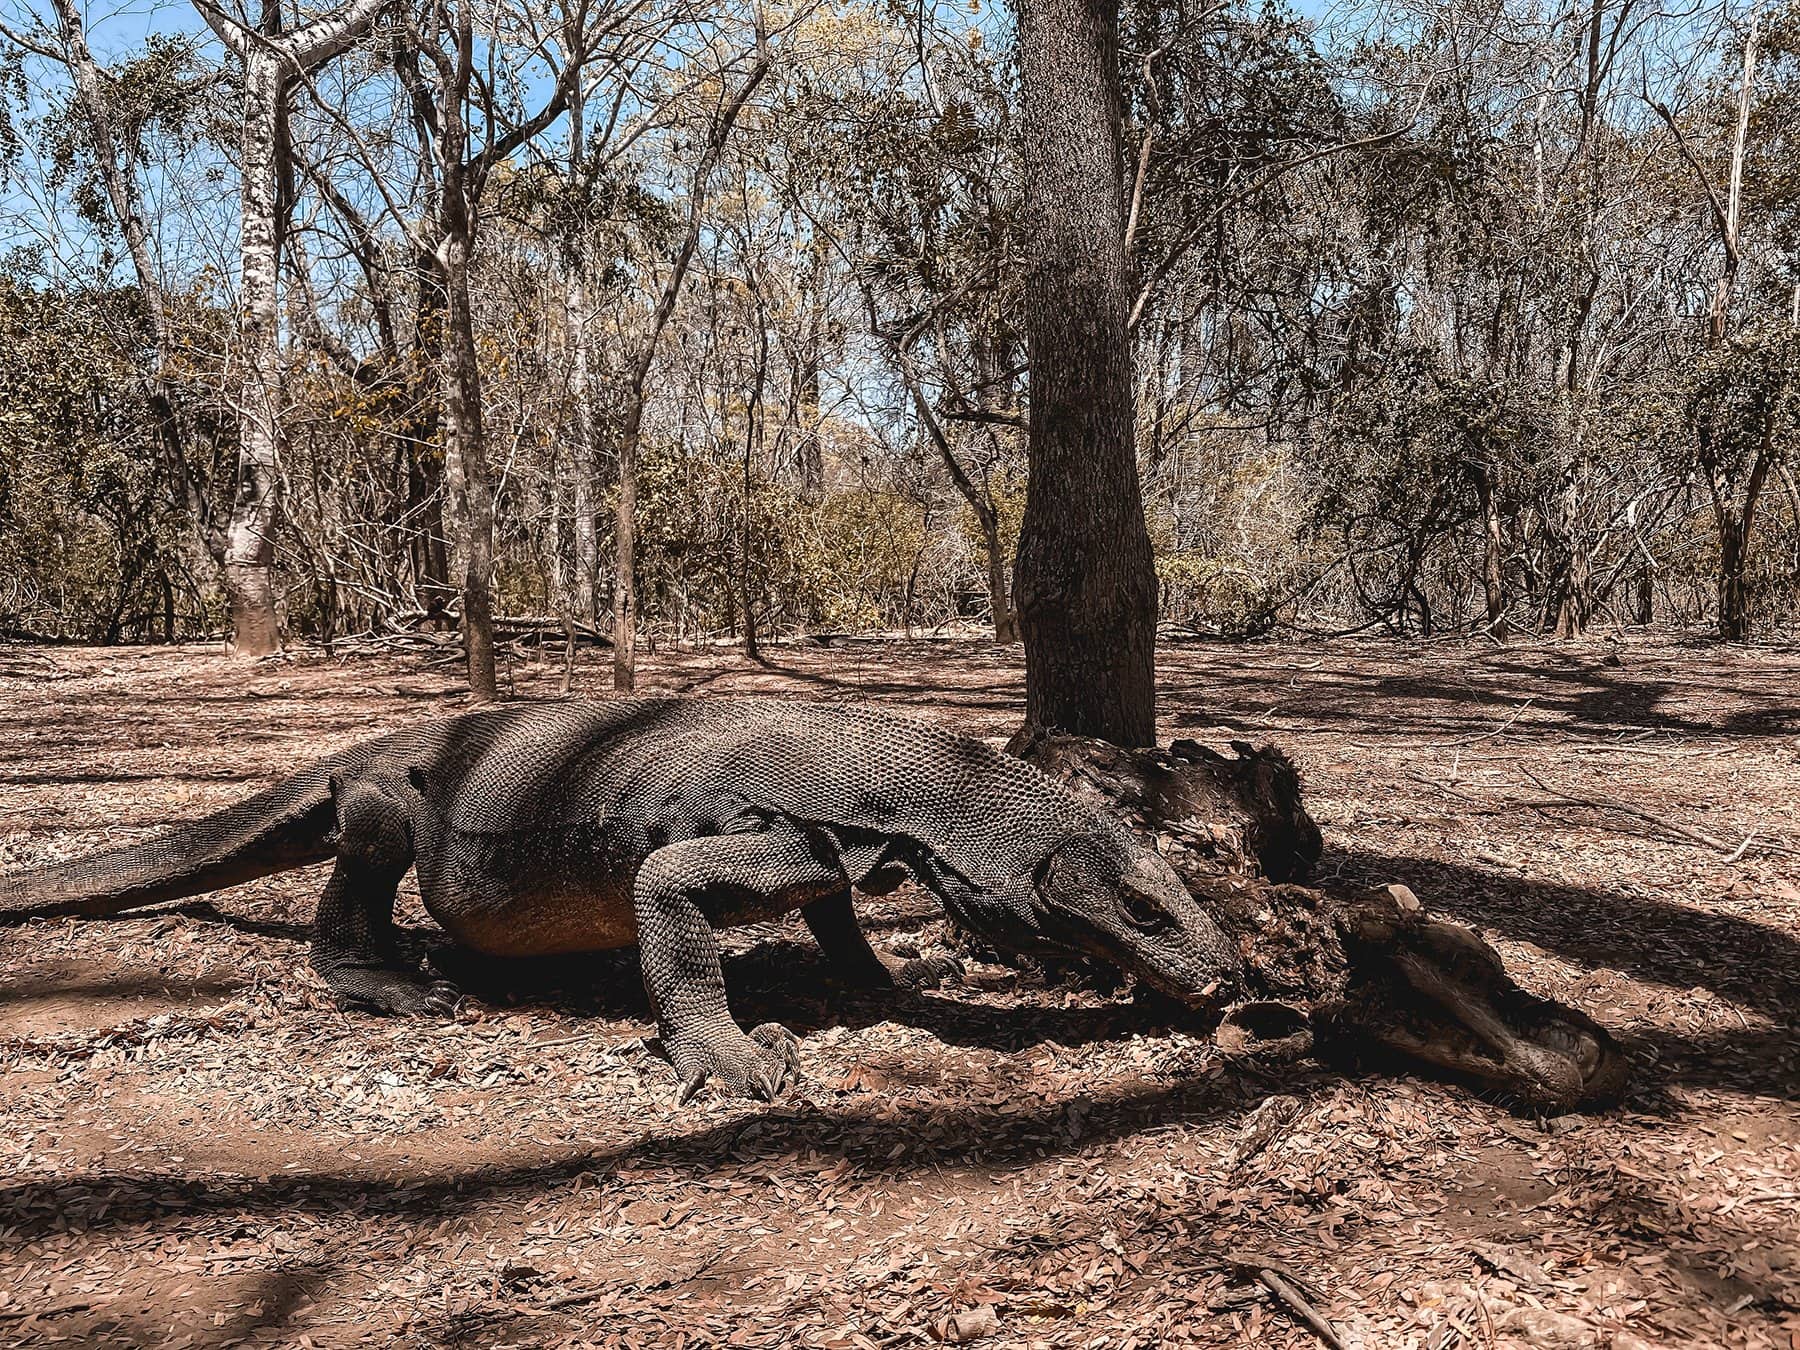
[(546, 828)]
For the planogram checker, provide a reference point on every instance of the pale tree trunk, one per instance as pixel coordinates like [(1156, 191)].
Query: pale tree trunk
[(270, 60), (584, 465), (1006, 623), (1720, 310), (1735, 532), (465, 457), (582, 438), (625, 599), (455, 176), (256, 499), (427, 485), (115, 160), (465, 435), (1575, 605), (1734, 526), (988, 368), (1085, 585)]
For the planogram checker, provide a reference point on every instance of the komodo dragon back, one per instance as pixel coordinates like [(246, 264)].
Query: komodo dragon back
[(525, 766)]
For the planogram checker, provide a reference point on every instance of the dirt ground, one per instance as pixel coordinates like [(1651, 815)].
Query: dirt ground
[(201, 1150)]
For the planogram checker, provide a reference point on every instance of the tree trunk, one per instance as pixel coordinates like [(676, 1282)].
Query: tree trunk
[(1006, 623), (1734, 542), (465, 444), (270, 59), (1734, 590), (582, 442), (625, 599), (810, 453), (584, 465), (1493, 576), (1086, 583), (425, 449), (256, 501), (1575, 606), (1575, 603)]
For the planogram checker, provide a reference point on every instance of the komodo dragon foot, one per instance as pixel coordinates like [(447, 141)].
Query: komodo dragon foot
[(924, 972), (759, 1065), (402, 993)]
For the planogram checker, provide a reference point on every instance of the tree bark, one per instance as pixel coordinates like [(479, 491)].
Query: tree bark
[(426, 472), (1085, 585), (1006, 623), (625, 601), (582, 441), (584, 465), (1493, 576), (1734, 540), (472, 487), (256, 499), (270, 60)]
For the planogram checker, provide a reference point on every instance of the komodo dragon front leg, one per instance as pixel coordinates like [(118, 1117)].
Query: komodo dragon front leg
[(721, 877), (839, 935), (354, 947)]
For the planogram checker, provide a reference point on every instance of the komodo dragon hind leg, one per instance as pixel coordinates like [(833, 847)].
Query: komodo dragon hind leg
[(841, 938), (676, 888), (354, 945)]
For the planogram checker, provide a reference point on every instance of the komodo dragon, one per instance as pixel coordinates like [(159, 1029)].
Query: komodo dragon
[(568, 827)]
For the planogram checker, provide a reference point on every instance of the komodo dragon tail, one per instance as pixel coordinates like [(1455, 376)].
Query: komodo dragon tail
[(290, 825)]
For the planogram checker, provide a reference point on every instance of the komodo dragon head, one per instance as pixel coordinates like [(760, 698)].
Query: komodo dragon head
[(1104, 894)]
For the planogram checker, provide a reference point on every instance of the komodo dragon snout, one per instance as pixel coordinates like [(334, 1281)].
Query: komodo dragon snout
[(1103, 894)]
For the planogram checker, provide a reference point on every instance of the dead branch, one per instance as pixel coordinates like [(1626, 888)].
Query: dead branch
[(1286, 1285), (1733, 852)]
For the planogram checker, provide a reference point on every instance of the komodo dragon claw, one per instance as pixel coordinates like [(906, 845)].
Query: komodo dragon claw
[(758, 1066), (928, 972), (404, 998)]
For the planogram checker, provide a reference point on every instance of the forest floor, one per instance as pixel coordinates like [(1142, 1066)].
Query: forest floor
[(201, 1150)]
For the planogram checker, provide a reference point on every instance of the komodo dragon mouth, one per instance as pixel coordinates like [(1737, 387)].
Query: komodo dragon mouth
[(1350, 971)]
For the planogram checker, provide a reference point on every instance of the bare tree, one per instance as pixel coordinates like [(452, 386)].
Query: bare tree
[(271, 62), (625, 594)]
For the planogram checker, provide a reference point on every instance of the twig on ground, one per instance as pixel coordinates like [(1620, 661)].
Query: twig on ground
[(1287, 1286), (1500, 730), (1672, 826)]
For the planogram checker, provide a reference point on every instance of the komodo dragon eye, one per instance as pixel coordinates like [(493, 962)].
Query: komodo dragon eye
[(1143, 913)]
